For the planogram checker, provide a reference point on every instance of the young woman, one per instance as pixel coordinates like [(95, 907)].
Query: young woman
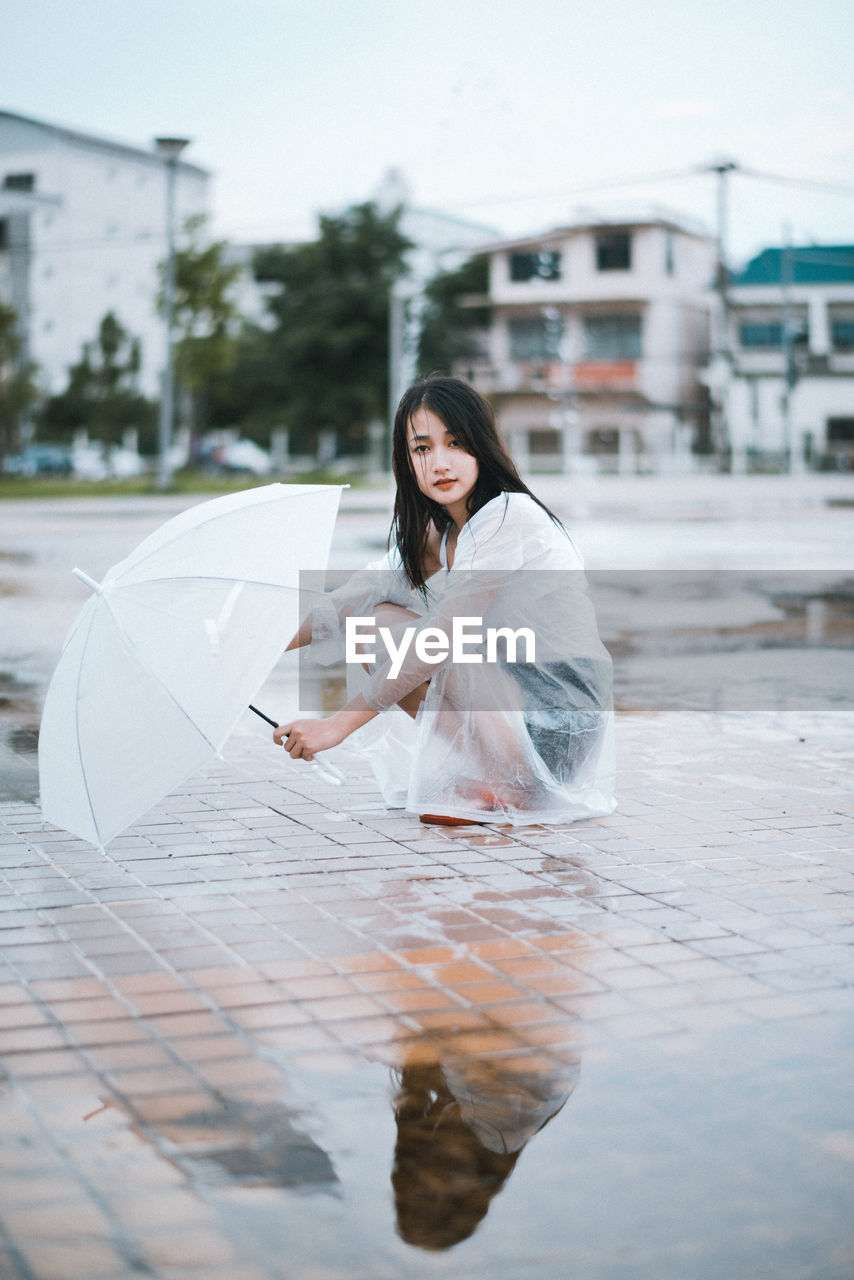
[(487, 731)]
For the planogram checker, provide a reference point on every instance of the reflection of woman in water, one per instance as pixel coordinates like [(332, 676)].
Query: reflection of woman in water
[(461, 1127)]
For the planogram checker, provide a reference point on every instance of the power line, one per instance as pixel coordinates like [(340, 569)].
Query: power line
[(645, 179), (814, 184), (582, 189)]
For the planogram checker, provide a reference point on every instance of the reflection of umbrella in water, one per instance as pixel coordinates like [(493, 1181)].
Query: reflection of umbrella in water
[(251, 1143), (175, 642), (462, 1124), (257, 1144)]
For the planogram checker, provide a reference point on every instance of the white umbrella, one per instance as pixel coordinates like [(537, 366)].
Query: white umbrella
[(174, 643)]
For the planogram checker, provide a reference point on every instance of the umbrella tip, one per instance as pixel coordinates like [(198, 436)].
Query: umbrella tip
[(90, 582)]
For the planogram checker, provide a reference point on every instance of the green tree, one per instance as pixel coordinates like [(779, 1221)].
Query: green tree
[(450, 330), (102, 396), (205, 315), (324, 364), (18, 390)]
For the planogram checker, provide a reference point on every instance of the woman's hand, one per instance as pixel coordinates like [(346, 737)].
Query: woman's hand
[(302, 738)]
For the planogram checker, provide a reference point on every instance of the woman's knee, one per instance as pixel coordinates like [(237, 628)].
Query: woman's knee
[(389, 614)]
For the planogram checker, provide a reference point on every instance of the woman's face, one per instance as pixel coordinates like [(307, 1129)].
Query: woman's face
[(444, 471)]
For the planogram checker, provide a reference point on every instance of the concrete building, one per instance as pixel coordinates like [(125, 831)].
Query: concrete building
[(82, 230), (789, 396), (597, 334)]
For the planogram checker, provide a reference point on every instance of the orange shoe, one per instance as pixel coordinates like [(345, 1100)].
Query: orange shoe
[(439, 820)]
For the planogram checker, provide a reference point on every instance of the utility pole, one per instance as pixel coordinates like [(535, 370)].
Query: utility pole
[(793, 458), (401, 296), (723, 347)]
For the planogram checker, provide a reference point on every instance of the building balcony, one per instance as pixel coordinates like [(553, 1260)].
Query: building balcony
[(605, 375), (807, 364), (557, 378), (532, 378)]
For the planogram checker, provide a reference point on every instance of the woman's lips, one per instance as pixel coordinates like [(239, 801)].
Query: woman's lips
[(445, 484)]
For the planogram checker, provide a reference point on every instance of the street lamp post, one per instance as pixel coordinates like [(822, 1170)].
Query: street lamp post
[(169, 149)]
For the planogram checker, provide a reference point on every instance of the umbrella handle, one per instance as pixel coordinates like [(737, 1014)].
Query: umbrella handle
[(327, 770), (263, 717)]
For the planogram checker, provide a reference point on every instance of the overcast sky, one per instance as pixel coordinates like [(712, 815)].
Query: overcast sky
[(504, 111)]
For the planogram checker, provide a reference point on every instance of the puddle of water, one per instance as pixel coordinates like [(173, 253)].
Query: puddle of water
[(15, 692), (18, 739), (728, 641), (726, 1154), (24, 741)]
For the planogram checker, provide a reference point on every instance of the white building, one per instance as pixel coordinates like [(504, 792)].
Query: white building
[(82, 230), (790, 393), (597, 335)]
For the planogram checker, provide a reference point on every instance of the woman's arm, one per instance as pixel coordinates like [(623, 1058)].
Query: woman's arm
[(363, 589), (302, 637)]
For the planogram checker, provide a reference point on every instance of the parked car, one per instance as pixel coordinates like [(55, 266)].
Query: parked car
[(40, 460)]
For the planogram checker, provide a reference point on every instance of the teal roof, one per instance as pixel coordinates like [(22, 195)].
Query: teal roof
[(810, 264)]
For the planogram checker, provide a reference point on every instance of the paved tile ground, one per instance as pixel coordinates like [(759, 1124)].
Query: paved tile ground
[(265, 949), (154, 1000)]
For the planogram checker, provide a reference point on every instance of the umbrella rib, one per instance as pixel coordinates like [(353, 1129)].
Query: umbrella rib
[(206, 577), (80, 755), (135, 653)]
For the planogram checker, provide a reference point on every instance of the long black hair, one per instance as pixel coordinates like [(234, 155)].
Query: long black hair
[(470, 420)]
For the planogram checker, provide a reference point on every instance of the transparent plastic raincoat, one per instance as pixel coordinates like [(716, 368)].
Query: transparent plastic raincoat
[(504, 734)]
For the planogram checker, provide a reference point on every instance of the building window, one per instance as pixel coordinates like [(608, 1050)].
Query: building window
[(614, 251), (544, 442), (4, 234), (534, 338), (843, 334), (544, 265), (765, 334), (612, 337), (20, 182), (840, 430), (768, 335), (603, 440)]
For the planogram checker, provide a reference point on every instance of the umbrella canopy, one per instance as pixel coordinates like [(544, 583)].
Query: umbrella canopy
[(174, 643)]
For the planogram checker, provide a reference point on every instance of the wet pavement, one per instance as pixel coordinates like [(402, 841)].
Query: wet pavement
[(280, 1031)]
